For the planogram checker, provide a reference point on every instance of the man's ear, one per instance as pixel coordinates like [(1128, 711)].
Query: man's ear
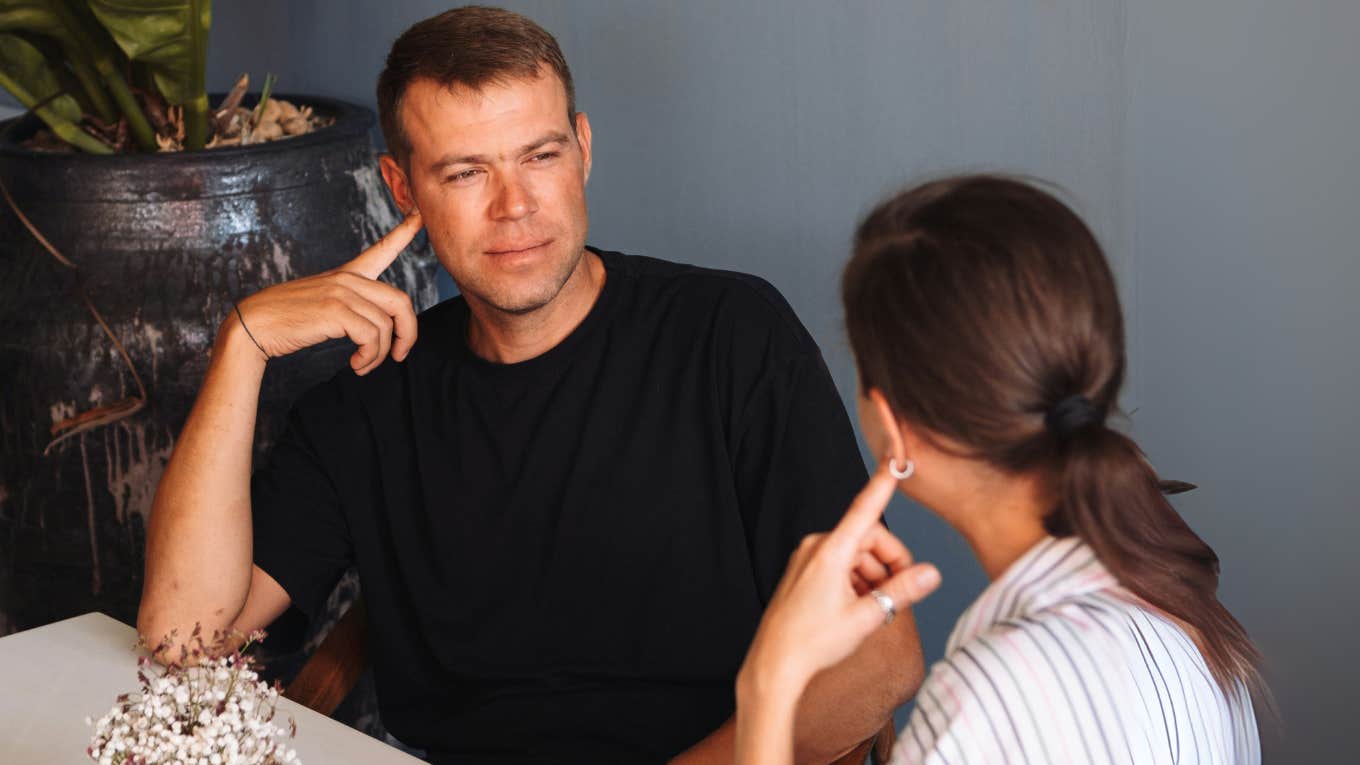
[(398, 183), (583, 138)]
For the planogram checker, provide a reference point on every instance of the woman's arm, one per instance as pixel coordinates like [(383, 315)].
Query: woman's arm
[(767, 703), (820, 614)]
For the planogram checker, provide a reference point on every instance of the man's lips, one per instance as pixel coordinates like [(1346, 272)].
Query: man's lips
[(512, 249)]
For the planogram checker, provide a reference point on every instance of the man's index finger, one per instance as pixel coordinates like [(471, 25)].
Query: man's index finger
[(372, 262)]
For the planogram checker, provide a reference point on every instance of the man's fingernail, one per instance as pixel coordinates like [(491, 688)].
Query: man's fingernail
[(928, 579)]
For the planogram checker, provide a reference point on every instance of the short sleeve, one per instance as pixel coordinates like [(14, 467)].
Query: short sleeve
[(300, 534), (797, 463)]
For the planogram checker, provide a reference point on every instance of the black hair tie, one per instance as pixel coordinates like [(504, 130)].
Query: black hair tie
[(1071, 415)]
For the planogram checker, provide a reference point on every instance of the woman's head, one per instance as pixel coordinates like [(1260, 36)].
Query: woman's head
[(977, 305), (984, 313)]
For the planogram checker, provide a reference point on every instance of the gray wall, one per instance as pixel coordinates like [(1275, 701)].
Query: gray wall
[(1242, 200), (1211, 145)]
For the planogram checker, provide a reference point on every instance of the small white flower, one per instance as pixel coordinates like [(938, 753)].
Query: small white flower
[(213, 712)]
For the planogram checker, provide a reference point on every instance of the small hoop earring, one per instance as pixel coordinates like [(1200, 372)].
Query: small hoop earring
[(904, 473)]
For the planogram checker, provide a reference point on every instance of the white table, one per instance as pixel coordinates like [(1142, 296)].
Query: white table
[(53, 677)]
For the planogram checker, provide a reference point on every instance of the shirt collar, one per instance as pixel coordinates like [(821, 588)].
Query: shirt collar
[(1050, 572)]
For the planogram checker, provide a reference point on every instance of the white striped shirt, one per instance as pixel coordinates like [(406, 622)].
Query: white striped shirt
[(1056, 662)]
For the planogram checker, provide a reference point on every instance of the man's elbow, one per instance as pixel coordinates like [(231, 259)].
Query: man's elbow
[(899, 656), (156, 635), (159, 628), (183, 641), (852, 703), (171, 632), (910, 674)]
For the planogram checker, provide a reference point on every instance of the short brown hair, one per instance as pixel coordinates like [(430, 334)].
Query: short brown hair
[(471, 46)]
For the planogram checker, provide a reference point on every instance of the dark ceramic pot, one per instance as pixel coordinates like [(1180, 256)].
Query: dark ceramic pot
[(164, 244)]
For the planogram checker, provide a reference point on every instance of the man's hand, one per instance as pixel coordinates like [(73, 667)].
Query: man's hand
[(344, 302)]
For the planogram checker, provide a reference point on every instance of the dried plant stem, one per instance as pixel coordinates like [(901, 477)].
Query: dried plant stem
[(102, 415)]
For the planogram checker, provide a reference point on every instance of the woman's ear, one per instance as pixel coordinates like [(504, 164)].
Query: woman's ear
[(883, 432)]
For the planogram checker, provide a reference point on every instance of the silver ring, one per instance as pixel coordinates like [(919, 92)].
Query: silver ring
[(886, 603)]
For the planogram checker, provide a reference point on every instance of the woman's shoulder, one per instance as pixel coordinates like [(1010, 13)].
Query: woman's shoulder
[(1106, 646), (1039, 684), (1076, 636), (1101, 674)]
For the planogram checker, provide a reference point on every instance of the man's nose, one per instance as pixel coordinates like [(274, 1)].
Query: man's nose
[(514, 198)]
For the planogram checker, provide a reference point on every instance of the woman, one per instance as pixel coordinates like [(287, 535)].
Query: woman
[(990, 347)]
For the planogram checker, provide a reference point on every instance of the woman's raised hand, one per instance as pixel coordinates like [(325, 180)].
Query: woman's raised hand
[(824, 608)]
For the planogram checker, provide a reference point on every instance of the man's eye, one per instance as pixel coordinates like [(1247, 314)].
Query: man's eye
[(544, 156), (463, 176)]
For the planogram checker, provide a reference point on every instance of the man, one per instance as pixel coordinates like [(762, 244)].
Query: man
[(569, 501)]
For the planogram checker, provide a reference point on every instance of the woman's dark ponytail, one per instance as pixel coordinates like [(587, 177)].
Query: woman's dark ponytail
[(984, 310), (1110, 497)]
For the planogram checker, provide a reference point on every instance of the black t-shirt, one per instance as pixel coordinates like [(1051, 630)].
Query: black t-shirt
[(565, 559)]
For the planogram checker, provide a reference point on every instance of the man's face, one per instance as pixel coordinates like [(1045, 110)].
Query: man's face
[(499, 176)]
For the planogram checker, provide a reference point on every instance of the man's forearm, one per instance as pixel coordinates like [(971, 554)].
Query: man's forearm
[(849, 703), (198, 557), (843, 706)]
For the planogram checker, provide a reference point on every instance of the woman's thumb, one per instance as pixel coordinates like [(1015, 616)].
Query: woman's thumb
[(906, 588)]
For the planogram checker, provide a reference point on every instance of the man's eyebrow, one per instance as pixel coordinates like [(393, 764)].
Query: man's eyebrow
[(481, 159)]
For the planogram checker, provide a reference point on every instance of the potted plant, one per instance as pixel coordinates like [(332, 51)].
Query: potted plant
[(134, 214)]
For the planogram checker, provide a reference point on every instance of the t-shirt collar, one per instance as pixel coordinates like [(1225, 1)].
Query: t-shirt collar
[(1052, 571)]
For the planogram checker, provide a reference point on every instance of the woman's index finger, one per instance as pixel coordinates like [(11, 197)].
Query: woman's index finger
[(866, 509)]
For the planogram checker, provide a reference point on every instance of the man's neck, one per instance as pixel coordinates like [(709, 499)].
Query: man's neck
[(511, 338)]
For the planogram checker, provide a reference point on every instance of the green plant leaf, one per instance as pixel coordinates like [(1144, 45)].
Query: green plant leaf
[(89, 52), (265, 91), (31, 78), (57, 58), (170, 36), (35, 78), (48, 19), (39, 16)]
